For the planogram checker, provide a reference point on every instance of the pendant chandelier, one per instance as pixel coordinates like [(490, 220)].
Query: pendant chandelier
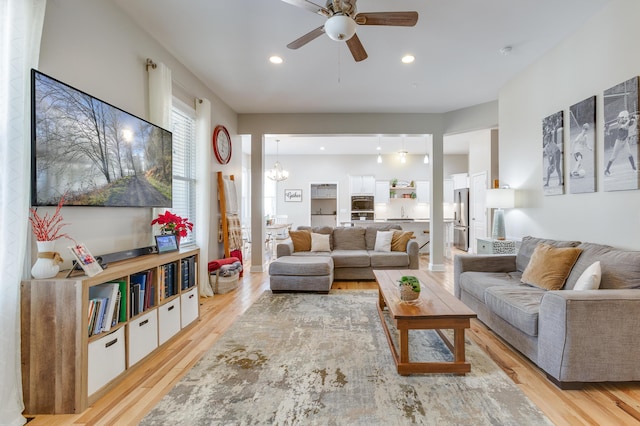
[(277, 172)]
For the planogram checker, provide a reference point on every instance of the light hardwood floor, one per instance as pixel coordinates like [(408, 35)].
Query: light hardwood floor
[(126, 404)]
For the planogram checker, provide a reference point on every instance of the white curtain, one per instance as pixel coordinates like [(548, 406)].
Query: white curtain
[(160, 102), (21, 24), (203, 189)]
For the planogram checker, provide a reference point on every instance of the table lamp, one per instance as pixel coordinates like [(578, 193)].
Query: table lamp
[(500, 198)]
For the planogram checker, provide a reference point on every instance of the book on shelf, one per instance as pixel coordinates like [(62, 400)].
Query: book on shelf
[(108, 293), (123, 300)]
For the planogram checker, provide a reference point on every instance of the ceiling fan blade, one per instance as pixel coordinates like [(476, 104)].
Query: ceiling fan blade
[(400, 19), (306, 4), (356, 48), (311, 35)]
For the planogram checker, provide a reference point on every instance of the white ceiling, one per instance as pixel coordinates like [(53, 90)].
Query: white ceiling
[(226, 44)]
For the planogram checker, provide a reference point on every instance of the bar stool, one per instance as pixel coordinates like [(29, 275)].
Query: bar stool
[(426, 231)]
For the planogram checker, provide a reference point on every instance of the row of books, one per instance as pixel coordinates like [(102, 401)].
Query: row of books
[(141, 292), (108, 302), (107, 306), (188, 269), (168, 280)]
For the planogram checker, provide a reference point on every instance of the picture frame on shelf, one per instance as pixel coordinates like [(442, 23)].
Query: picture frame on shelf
[(293, 195), (85, 260), (166, 243)]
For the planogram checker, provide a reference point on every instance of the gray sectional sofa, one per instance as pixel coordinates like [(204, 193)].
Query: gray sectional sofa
[(353, 254), (575, 336)]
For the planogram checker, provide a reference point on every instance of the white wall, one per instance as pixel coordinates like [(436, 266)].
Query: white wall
[(94, 47), (601, 54)]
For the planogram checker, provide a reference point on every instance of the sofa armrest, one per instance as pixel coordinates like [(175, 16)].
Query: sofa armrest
[(590, 336), (284, 249), (413, 249), (480, 263)]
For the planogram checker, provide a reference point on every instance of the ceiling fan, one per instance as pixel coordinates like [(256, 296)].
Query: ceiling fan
[(342, 20)]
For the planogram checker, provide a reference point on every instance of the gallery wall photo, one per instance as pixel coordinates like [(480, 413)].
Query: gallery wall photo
[(582, 154), (620, 105), (553, 154)]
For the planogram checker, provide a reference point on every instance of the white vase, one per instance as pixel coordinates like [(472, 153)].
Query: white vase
[(45, 267)]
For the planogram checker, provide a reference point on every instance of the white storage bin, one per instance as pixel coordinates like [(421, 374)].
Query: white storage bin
[(189, 307), (106, 360), (143, 336), (224, 284), (168, 320)]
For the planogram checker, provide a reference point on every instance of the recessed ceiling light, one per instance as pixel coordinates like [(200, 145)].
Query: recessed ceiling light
[(322, 148), (275, 59), (407, 59)]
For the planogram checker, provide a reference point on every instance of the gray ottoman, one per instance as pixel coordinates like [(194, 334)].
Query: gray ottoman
[(301, 273)]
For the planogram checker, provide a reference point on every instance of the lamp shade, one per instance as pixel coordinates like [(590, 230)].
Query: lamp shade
[(340, 27), (501, 198)]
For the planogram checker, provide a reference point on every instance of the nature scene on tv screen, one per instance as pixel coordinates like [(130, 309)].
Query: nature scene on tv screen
[(93, 153)]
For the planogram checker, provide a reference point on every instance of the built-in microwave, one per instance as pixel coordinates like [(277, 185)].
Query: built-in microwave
[(362, 203)]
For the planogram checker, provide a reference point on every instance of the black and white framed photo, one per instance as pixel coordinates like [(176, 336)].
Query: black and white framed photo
[(293, 195), (620, 105), (553, 154), (582, 171)]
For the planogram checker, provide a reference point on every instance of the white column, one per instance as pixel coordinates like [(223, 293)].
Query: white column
[(436, 213)]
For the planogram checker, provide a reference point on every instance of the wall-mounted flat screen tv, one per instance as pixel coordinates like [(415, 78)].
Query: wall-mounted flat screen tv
[(94, 153)]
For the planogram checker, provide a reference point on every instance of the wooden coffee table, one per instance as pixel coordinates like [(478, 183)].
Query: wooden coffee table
[(436, 309)]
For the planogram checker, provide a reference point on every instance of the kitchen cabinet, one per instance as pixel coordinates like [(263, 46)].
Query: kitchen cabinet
[(323, 220), (382, 192), (324, 204), (422, 192), (460, 180), (362, 185), (447, 195)]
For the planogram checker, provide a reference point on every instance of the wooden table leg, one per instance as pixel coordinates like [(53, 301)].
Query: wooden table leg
[(403, 341), (458, 345)]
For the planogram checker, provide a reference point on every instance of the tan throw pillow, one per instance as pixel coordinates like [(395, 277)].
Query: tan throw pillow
[(550, 266), (301, 240), (400, 240), (320, 242)]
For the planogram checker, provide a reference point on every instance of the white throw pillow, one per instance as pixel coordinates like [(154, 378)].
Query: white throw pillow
[(383, 241), (590, 278), (320, 242)]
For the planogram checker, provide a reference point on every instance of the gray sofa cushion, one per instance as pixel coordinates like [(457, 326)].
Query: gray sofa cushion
[(475, 283), (393, 259), (529, 244), (372, 232), (518, 305), (349, 239), (620, 268), (350, 258)]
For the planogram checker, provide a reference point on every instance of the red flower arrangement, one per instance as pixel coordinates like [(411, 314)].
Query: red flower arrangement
[(47, 228), (173, 224)]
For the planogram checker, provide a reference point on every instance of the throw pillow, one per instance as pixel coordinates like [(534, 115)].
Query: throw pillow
[(319, 242), (400, 240), (590, 278), (301, 240), (383, 241), (550, 266)]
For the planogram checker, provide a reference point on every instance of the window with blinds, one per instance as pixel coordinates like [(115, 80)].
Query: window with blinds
[(184, 166)]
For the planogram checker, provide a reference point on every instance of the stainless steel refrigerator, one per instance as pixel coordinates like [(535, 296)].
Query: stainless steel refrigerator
[(461, 219)]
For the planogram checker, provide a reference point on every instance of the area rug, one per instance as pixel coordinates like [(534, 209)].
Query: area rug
[(310, 359)]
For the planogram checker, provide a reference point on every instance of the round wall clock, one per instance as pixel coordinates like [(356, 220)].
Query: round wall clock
[(221, 144)]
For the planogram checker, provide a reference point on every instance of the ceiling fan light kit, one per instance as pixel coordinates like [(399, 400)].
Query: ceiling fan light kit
[(342, 22), (340, 27)]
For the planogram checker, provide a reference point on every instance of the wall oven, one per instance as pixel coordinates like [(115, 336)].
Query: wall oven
[(362, 203)]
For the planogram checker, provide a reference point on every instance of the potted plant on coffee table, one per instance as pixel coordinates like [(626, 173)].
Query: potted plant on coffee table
[(409, 288)]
